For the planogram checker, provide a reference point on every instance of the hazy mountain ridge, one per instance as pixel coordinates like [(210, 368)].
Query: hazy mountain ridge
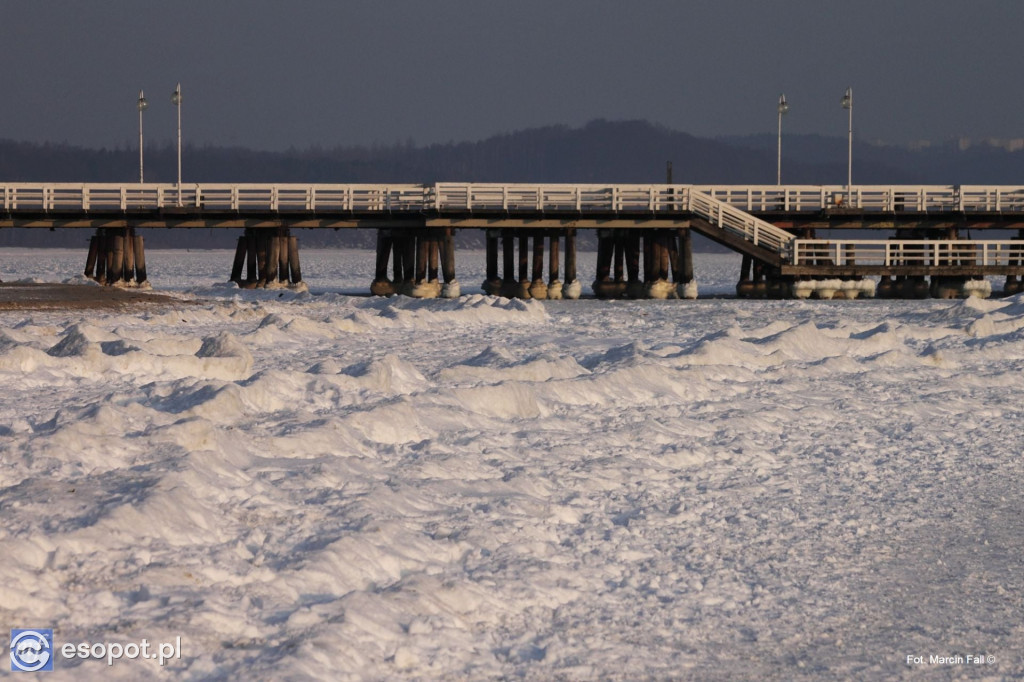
[(600, 151)]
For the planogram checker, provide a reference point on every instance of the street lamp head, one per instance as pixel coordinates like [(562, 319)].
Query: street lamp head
[(142, 101), (783, 105), (176, 95), (847, 100)]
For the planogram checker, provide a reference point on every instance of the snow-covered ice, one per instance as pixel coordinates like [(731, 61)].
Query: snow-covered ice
[(329, 486)]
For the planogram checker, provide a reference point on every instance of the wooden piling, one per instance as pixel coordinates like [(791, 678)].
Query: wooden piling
[(538, 288), (102, 248), (294, 266), (492, 281), (129, 255), (140, 259), (432, 256), (524, 257), (397, 260), (273, 259), (422, 253), (523, 285), (745, 287), (381, 285), (648, 249), (633, 255), (687, 255), (570, 255), (383, 253), (448, 256), (553, 258), (605, 251), (284, 243), (408, 261), (115, 259), (619, 258), (603, 286), (90, 259), (251, 264), (538, 257), (508, 256), (261, 258), (674, 260), (239, 262)]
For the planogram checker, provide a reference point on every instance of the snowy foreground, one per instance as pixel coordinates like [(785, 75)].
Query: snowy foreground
[(322, 486)]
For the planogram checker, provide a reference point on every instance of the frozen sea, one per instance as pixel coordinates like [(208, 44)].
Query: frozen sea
[(331, 486)]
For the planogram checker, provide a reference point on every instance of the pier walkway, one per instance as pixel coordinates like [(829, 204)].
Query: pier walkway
[(774, 227)]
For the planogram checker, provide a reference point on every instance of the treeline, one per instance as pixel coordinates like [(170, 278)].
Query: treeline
[(601, 151)]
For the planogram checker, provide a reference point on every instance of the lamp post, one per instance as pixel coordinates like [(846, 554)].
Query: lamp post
[(847, 103), (783, 108), (142, 104), (176, 101)]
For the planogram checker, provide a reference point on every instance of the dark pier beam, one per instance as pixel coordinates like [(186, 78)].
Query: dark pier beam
[(426, 284), (252, 272), (508, 254), (745, 287), (523, 285), (284, 244), (90, 259), (686, 284), (538, 288), (141, 275), (129, 256), (381, 285), (239, 262), (634, 285), (115, 257), (273, 260), (408, 262), (492, 283), (554, 283), (397, 261), (450, 288), (261, 258), (294, 265), (658, 285), (619, 263), (603, 285), (571, 289)]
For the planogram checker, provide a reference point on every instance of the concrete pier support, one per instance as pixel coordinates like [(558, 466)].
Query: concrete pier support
[(523, 283), (604, 286), (538, 288), (686, 284), (492, 284), (572, 288), (634, 285), (522, 273), (381, 285), (270, 258), (450, 287), (419, 259), (116, 257), (426, 283), (554, 283), (656, 278)]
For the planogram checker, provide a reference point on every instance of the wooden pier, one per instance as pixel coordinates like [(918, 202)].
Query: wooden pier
[(644, 233)]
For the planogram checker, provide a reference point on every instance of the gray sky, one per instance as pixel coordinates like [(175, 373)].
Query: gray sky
[(271, 75)]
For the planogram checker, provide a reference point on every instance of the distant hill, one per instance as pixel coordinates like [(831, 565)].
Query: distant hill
[(600, 151)]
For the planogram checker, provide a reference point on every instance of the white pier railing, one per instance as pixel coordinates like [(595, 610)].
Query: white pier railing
[(735, 221), (871, 198), (582, 198), (907, 252)]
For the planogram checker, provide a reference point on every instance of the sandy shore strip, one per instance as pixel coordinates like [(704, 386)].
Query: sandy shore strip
[(34, 296)]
